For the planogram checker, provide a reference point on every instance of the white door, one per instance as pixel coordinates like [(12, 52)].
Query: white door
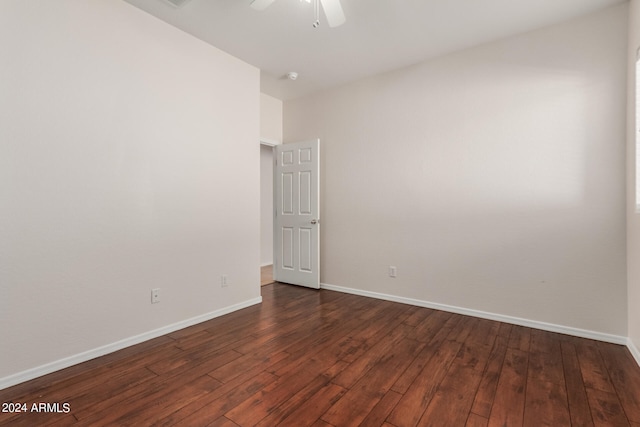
[(296, 230)]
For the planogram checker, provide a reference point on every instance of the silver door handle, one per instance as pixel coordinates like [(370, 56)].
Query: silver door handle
[(315, 221)]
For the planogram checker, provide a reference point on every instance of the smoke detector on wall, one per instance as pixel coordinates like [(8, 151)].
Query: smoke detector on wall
[(292, 75)]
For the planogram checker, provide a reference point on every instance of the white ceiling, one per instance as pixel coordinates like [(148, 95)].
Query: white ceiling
[(379, 35)]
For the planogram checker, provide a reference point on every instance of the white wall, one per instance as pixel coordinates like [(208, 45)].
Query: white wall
[(270, 118), (120, 142), (493, 179), (633, 218)]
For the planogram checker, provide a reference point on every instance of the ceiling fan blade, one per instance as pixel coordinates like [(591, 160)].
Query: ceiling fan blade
[(333, 12), (261, 4)]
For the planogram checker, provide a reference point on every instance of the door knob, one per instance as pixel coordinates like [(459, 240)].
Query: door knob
[(315, 221)]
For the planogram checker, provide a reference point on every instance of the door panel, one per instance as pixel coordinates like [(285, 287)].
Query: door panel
[(287, 193), (296, 222)]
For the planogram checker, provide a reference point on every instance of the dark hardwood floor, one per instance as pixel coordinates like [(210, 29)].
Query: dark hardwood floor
[(322, 358)]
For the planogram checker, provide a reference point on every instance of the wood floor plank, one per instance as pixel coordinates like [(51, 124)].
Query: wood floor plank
[(606, 409), (414, 402), (335, 338), (234, 368), (426, 330), (326, 359), (461, 331), (103, 388), (264, 402), (166, 366), (418, 315), (576, 393), (508, 406), (619, 362), (310, 409), (603, 399), (546, 395), (489, 383), (546, 405), (223, 422), (214, 405), (358, 368), (381, 411), (520, 338), (389, 319), (452, 401), (594, 371), (107, 412), (455, 394), (206, 340), (363, 396), (544, 342), (309, 392), (476, 420), (484, 332), (164, 404), (440, 329), (260, 404)]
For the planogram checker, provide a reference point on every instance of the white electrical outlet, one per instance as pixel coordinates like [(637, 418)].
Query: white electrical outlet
[(393, 271), (155, 296), (224, 281)]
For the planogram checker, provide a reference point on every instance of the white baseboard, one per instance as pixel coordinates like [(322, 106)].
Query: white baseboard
[(57, 365), (615, 339), (634, 350)]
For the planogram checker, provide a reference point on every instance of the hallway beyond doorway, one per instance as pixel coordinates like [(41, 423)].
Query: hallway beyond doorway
[(266, 275)]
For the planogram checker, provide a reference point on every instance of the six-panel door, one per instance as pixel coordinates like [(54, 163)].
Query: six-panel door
[(296, 222)]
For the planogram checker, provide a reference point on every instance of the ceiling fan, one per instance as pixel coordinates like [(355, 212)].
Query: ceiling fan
[(332, 10)]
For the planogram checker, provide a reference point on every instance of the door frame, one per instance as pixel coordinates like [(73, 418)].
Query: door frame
[(267, 144)]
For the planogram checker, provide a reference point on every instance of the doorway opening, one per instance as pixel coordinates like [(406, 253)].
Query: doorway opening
[(266, 213), (290, 212)]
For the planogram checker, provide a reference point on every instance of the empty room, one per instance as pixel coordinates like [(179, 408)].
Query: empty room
[(446, 195)]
